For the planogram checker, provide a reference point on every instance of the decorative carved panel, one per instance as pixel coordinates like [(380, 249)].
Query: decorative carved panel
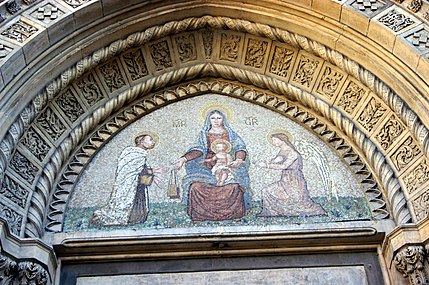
[(405, 154), (161, 55), (207, 35), (69, 105), (415, 5), (13, 219), (282, 60), (35, 144), (421, 206), (419, 38), (230, 47), (23, 167), (390, 132), (306, 71), (372, 114), (186, 47), (135, 64), (14, 191), (416, 177), (50, 123), (330, 82), (47, 13), (396, 21), (19, 31), (256, 52), (369, 7), (89, 90), (111, 75), (351, 97)]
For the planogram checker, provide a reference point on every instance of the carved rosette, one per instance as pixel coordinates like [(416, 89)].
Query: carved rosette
[(25, 272), (410, 261)]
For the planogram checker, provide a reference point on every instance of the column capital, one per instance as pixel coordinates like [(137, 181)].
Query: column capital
[(410, 262)]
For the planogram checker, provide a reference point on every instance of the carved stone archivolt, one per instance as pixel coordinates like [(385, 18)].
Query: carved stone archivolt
[(305, 72)]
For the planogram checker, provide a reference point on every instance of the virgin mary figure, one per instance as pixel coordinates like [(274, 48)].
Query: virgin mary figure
[(205, 200)]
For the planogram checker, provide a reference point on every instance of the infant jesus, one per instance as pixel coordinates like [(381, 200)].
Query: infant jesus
[(223, 159)]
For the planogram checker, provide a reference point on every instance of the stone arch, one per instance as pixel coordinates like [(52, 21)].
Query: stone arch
[(381, 48), (229, 71)]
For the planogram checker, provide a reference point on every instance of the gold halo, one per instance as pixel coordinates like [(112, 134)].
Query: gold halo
[(217, 141), (150, 133), (280, 131), (225, 109)]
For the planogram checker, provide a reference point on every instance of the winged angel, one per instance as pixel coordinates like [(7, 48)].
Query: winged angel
[(289, 195)]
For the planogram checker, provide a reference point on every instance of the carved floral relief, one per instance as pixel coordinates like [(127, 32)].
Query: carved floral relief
[(24, 167), (351, 97), (230, 47), (306, 71), (281, 61), (89, 89), (371, 115), (13, 219), (405, 154), (330, 82), (49, 122), (111, 75), (135, 64), (421, 206), (186, 47), (390, 132), (416, 177), (207, 35), (69, 105), (14, 191), (255, 53), (161, 56), (35, 144)]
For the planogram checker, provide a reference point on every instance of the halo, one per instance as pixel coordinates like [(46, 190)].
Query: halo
[(150, 133), (280, 131), (217, 141), (225, 109)]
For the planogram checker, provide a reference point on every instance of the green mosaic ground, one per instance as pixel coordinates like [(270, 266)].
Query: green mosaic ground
[(173, 215)]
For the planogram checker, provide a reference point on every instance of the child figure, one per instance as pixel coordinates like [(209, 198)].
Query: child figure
[(223, 159)]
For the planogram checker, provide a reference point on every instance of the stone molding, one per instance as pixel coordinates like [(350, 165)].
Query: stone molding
[(25, 261)]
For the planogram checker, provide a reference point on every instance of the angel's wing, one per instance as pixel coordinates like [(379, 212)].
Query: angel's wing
[(313, 154)]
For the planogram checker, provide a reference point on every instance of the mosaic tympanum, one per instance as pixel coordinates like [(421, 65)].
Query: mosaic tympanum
[(225, 163)]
